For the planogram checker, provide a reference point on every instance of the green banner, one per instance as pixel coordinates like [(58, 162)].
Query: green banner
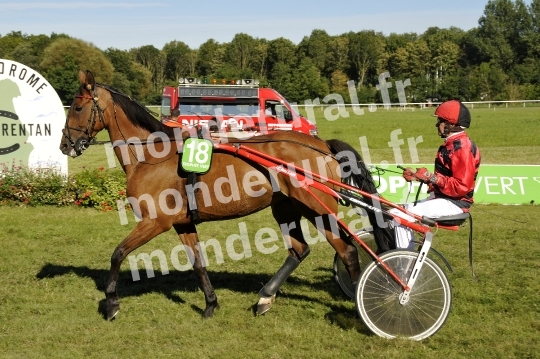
[(504, 184)]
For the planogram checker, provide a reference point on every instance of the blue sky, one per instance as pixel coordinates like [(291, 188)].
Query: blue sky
[(124, 25)]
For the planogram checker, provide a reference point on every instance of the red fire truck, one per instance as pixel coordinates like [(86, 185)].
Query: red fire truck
[(237, 106)]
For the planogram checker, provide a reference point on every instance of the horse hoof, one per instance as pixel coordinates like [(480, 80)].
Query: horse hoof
[(264, 304), (112, 311), (209, 311)]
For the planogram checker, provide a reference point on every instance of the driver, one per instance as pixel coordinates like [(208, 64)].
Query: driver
[(270, 109), (451, 186)]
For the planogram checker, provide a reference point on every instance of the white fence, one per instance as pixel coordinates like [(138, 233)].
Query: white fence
[(422, 105), (411, 106)]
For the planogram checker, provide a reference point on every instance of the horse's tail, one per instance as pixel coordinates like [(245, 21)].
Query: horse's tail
[(362, 179)]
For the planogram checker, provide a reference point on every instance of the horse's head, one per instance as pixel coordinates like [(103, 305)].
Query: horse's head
[(85, 117)]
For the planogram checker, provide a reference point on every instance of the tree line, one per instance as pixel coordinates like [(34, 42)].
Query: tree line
[(497, 60)]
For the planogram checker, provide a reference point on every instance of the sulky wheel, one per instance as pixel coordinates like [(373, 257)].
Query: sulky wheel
[(341, 276), (379, 307)]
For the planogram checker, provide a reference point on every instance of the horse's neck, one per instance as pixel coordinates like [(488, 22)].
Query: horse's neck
[(121, 130)]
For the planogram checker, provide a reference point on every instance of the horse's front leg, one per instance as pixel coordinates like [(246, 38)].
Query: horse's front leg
[(188, 236), (141, 234)]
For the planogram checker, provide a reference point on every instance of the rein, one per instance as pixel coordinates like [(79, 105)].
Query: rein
[(142, 142)]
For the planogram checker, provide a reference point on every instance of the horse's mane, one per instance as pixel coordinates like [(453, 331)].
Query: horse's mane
[(138, 114)]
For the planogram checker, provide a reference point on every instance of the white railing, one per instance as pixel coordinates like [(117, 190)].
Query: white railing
[(422, 105), (408, 106)]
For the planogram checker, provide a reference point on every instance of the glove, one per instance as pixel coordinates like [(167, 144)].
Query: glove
[(424, 176), (408, 174)]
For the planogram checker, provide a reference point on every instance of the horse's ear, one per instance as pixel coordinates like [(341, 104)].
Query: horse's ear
[(87, 80), (82, 77)]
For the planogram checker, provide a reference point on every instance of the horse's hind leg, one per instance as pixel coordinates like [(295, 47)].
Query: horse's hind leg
[(340, 241), (188, 236), (328, 226), (141, 234), (288, 218)]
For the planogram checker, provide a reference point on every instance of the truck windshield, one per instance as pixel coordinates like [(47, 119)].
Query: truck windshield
[(213, 108), (166, 106), (293, 108)]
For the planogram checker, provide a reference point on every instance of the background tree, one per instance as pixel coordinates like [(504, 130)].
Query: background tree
[(488, 82), (240, 54), (141, 85), (85, 55), (9, 42), (280, 51), (210, 58), (192, 58), (154, 61), (315, 47), (338, 64), (395, 41), (65, 56), (307, 83), (63, 77), (259, 63), (498, 59), (365, 48), (501, 29), (178, 60), (30, 52), (129, 77), (533, 37)]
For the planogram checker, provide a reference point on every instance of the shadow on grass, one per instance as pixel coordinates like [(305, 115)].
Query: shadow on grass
[(167, 285), (173, 283)]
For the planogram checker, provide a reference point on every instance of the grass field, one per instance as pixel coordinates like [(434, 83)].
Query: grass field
[(54, 263), (504, 135)]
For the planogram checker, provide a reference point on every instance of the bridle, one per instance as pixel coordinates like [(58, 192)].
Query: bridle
[(83, 142)]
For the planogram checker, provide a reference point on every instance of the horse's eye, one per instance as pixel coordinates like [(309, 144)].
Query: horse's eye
[(78, 108)]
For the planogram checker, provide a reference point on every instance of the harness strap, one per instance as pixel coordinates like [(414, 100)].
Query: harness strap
[(192, 200), (95, 115), (471, 248), (192, 179)]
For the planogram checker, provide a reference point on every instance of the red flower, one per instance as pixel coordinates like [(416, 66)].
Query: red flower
[(101, 168)]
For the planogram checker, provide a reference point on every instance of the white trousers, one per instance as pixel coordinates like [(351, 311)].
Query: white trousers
[(430, 207)]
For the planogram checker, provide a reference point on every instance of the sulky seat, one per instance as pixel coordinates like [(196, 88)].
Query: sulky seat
[(453, 220)]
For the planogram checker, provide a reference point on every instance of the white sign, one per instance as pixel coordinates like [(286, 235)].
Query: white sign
[(31, 119)]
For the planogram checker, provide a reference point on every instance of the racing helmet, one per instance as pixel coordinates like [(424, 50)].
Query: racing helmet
[(455, 112)]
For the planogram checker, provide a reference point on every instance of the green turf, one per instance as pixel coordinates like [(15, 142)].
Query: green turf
[(504, 135), (55, 262)]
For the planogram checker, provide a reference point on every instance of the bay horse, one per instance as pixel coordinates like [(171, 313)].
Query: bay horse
[(153, 171)]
